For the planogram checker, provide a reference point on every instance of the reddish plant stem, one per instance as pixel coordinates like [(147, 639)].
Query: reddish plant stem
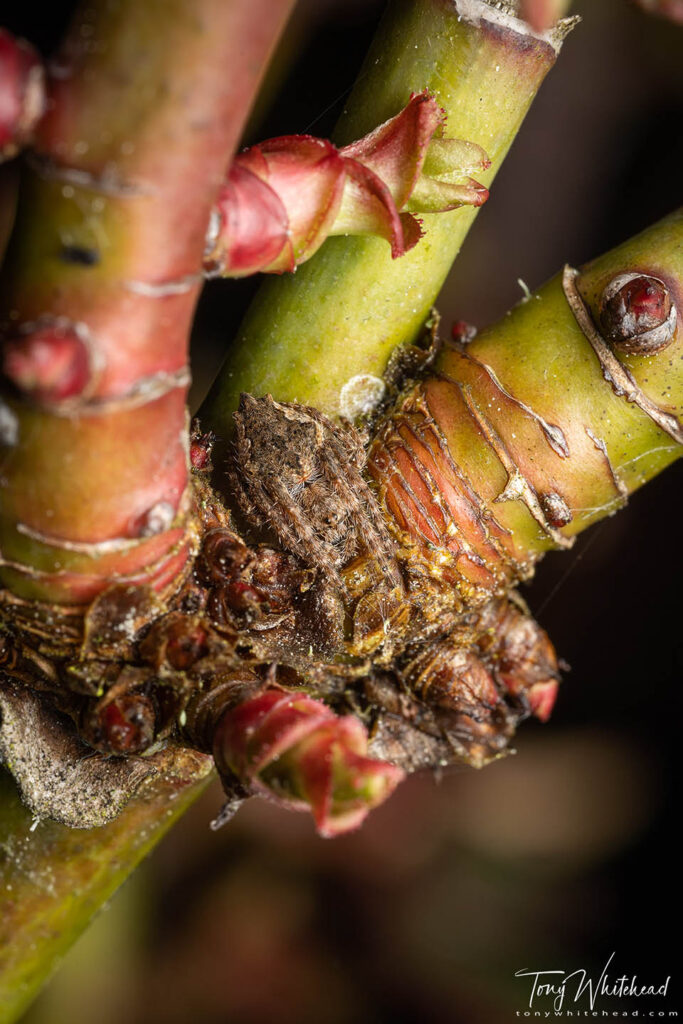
[(100, 287)]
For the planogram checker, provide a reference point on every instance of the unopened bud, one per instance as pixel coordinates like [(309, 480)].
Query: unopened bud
[(637, 314), (297, 751), (555, 509), (201, 446), (50, 363)]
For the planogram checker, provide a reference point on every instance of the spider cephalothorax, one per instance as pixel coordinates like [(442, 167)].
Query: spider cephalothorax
[(300, 474)]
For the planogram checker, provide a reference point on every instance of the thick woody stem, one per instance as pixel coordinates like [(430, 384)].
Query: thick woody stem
[(308, 337), (99, 291), (100, 286), (548, 420)]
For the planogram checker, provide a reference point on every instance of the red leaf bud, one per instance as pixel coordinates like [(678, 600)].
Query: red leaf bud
[(637, 314), (49, 362)]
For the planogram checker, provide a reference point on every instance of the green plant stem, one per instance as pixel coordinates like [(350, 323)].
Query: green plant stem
[(342, 314), (53, 880), (541, 356), (516, 442)]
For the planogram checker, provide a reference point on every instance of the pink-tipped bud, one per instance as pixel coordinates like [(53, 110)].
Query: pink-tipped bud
[(522, 657), (22, 93), (295, 750), (50, 363), (283, 198), (542, 697)]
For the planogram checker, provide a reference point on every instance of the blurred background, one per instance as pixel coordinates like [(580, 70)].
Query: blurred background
[(553, 858)]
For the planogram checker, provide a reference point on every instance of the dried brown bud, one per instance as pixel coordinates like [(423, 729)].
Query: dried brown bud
[(523, 659), (555, 509), (177, 640), (236, 596), (224, 556), (637, 314), (453, 678)]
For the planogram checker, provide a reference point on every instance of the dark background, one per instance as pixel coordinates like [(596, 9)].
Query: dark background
[(554, 858)]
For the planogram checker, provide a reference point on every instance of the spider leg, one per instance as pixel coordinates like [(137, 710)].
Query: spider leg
[(296, 532), (363, 512), (242, 494)]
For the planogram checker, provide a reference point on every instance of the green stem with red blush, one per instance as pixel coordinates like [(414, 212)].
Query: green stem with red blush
[(550, 436)]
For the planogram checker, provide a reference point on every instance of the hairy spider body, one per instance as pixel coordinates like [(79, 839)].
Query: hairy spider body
[(301, 474)]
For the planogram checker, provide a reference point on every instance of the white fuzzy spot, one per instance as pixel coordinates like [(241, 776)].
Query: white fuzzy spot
[(157, 519), (360, 395)]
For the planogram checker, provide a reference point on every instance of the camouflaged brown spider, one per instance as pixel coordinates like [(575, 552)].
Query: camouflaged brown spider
[(300, 474)]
